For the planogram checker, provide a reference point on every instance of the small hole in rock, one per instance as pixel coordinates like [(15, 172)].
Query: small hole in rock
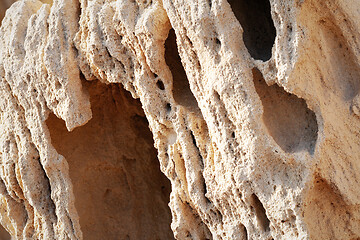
[(259, 30), (181, 88), (289, 121), (218, 41), (160, 85), (168, 107), (260, 212), (57, 85), (205, 192)]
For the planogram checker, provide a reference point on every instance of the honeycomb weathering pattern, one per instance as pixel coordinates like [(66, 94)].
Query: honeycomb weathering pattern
[(259, 139)]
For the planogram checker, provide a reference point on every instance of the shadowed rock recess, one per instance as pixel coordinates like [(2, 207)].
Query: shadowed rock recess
[(259, 31), (177, 119), (287, 118), (119, 190)]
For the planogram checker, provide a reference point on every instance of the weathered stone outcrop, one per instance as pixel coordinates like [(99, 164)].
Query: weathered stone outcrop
[(250, 109)]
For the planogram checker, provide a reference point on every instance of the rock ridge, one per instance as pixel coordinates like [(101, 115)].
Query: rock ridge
[(241, 116)]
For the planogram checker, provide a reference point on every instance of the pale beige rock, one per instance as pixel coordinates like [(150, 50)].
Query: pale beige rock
[(4, 5), (253, 107)]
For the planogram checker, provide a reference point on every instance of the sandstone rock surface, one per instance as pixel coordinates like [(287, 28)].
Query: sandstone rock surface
[(242, 116)]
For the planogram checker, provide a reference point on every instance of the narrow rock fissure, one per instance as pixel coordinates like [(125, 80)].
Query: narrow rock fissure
[(259, 30), (260, 212), (51, 206), (120, 192), (181, 88), (289, 121), (245, 233)]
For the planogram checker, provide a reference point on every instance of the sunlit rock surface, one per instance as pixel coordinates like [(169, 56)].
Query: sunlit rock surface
[(150, 119)]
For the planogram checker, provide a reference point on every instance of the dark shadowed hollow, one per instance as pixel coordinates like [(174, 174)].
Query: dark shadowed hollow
[(259, 30), (120, 192), (181, 87), (289, 121), (260, 212)]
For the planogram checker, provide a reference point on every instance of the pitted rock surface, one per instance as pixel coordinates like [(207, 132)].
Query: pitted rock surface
[(161, 119)]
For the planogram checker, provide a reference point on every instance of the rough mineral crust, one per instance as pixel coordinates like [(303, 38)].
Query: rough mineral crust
[(251, 109)]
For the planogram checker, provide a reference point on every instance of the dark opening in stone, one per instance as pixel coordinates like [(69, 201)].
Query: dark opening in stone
[(259, 30), (120, 192), (181, 88)]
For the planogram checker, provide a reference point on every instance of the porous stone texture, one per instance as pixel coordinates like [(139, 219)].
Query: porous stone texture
[(253, 108), (4, 4)]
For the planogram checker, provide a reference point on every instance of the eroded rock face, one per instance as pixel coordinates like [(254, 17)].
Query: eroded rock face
[(253, 107), (119, 190)]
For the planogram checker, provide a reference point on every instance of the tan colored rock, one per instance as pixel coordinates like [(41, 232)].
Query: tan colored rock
[(253, 107)]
